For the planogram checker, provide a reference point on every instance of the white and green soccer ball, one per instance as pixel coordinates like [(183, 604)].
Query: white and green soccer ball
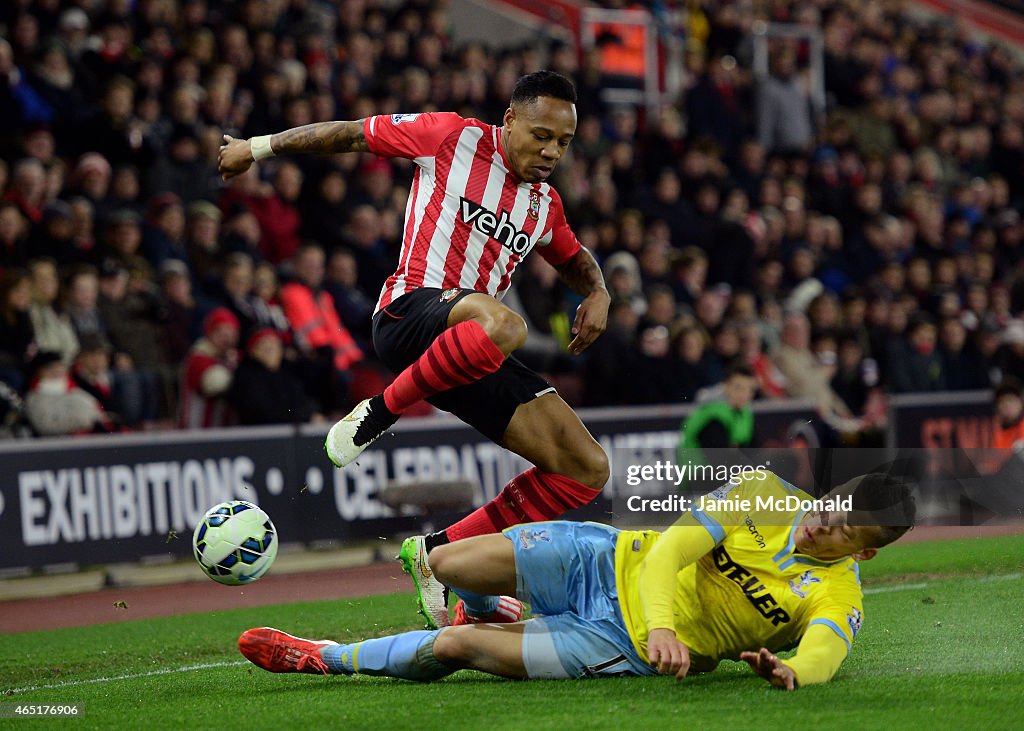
[(235, 542)]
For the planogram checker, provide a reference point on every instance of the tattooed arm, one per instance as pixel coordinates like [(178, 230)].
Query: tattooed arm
[(583, 276), (581, 273), (322, 137)]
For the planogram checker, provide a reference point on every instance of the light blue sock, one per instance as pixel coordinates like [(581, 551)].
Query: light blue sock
[(409, 656), (479, 605)]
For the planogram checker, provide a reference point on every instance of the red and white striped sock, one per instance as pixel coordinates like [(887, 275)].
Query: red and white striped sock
[(530, 497), (461, 354), (490, 610)]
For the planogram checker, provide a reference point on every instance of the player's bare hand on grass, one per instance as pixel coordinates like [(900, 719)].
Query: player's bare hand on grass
[(667, 653), (591, 321), (770, 667), (234, 158)]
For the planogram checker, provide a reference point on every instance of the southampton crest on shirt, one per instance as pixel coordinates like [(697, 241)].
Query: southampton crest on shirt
[(534, 211)]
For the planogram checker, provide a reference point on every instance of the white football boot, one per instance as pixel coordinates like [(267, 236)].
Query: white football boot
[(357, 430), (431, 594)]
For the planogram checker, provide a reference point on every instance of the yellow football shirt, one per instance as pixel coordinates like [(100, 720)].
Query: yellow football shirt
[(727, 579)]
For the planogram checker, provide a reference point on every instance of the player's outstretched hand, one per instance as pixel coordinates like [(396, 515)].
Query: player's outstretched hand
[(235, 157), (667, 653), (770, 667), (591, 321)]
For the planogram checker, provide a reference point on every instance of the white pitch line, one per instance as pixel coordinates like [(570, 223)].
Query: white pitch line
[(112, 678), (1000, 577), (898, 587), (234, 663), (924, 585)]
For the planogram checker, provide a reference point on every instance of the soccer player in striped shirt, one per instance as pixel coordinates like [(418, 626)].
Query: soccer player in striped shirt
[(721, 584), (480, 202)]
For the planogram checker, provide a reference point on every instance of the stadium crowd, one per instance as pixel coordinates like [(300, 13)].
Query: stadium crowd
[(873, 250)]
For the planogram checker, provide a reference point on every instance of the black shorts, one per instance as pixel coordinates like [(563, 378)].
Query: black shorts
[(404, 330)]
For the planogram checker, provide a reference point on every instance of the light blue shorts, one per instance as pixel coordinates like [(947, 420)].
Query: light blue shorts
[(566, 571)]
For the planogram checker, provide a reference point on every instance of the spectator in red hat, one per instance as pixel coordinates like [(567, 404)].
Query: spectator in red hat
[(375, 183), (92, 176), (265, 389), (208, 373)]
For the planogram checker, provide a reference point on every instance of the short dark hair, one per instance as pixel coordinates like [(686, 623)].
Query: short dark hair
[(920, 320), (543, 83), (884, 500), (741, 370), (1009, 386)]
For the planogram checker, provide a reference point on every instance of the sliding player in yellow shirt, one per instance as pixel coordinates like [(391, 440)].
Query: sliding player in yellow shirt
[(740, 577)]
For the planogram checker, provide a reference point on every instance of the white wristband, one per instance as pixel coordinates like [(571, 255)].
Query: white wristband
[(261, 148)]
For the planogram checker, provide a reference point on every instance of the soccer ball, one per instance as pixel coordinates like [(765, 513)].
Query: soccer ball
[(235, 543)]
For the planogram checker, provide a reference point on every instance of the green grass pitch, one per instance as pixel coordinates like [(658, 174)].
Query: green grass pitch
[(940, 648)]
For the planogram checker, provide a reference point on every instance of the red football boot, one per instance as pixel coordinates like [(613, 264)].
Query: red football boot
[(280, 652)]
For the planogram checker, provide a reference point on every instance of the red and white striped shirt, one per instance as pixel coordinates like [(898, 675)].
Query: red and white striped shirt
[(469, 220)]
